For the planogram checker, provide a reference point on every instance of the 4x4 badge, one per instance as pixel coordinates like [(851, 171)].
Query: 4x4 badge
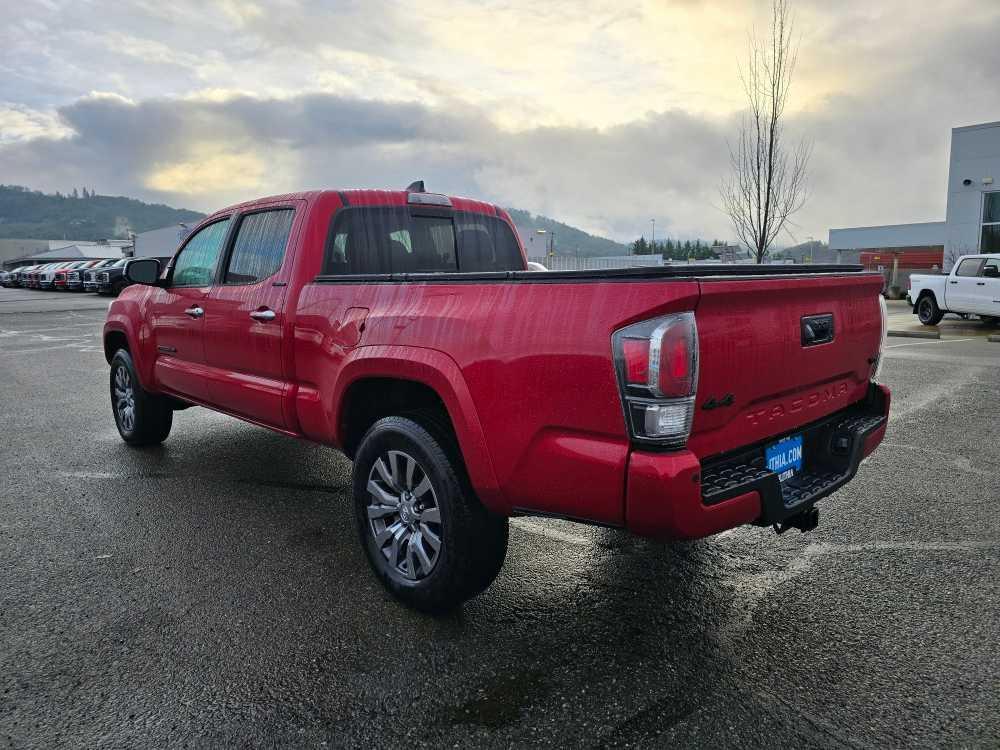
[(726, 400)]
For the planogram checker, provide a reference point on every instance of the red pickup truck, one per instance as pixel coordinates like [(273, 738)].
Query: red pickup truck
[(402, 328)]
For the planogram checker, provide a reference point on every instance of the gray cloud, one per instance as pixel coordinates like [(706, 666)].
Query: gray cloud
[(610, 180), (881, 136)]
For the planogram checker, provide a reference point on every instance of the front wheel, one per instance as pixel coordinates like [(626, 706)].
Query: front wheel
[(928, 311), (429, 540), (142, 418)]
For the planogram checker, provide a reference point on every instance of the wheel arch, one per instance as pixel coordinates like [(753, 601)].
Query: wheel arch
[(380, 381), (120, 334), (924, 293)]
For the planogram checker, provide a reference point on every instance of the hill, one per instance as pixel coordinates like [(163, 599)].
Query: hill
[(30, 214), (569, 240)]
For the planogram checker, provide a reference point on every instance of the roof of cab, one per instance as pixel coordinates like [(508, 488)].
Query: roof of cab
[(357, 197)]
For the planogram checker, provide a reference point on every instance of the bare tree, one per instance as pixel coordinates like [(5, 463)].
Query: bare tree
[(768, 180)]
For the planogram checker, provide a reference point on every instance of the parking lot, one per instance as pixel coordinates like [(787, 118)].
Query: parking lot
[(211, 591)]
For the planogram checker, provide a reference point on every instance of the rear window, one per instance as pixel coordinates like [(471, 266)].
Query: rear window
[(380, 240)]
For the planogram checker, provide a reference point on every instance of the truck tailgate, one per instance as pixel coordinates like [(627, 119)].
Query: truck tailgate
[(760, 374)]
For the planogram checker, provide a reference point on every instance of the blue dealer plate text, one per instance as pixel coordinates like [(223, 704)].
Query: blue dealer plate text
[(785, 457)]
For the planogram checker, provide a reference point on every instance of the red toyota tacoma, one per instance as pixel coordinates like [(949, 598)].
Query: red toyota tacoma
[(402, 328)]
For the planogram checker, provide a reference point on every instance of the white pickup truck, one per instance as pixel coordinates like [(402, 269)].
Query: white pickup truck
[(972, 288)]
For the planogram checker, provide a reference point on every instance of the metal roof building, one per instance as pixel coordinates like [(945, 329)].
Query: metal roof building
[(972, 219), (79, 251)]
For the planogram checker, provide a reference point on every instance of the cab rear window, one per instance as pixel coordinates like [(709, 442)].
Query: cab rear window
[(384, 240)]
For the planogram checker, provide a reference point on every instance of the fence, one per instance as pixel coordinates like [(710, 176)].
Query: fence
[(572, 263)]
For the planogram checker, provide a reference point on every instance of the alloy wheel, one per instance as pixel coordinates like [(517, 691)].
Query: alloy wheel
[(403, 515), (124, 399)]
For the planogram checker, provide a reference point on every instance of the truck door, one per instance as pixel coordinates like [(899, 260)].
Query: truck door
[(177, 313), (962, 294), (988, 288), (245, 329)]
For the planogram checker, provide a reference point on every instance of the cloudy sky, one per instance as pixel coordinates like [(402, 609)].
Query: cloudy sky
[(601, 113)]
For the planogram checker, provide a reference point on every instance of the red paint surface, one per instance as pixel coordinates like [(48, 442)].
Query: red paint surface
[(524, 369), (664, 499)]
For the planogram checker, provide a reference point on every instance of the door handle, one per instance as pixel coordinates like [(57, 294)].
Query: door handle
[(263, 315), (980, 283), (195, 312), (952, 282)]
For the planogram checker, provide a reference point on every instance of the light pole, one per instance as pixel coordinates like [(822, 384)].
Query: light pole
[(652, 234), (551, 251)]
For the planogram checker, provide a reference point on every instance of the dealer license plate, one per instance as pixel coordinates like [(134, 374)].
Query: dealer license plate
[(785, 457)]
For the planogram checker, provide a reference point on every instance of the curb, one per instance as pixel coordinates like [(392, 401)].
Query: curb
[(916, 334)]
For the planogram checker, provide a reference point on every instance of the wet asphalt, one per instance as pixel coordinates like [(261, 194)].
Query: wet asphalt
[(211, 592)]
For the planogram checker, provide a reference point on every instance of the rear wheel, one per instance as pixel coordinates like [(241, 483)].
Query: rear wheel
[(429, 540), (142, 418), (928, 311)]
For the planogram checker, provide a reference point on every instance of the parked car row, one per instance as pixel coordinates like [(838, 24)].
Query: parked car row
[(102, 276)]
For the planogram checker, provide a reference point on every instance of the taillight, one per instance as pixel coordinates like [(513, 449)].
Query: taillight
[(657, 366), (636, 355)]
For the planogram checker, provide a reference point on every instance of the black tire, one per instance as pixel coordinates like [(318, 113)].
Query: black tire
[(149, 418), (991, 321), (117, 287), (928, 311), (473, 541)]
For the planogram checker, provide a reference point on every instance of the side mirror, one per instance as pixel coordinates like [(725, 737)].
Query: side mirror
[(991, 272), (143, 271)]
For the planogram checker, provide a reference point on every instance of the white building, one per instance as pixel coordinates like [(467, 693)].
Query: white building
[(160, 243), (972, 218), (973, 214)]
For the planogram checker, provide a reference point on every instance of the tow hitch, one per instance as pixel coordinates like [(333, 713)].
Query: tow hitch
[(805, 521)]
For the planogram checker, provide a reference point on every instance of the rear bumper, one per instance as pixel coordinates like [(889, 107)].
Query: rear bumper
[(674, 495)]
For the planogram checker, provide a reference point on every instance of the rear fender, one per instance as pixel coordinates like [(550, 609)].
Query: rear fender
[(439, 372)]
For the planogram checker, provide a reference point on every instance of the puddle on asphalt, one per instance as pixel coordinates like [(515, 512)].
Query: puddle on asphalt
[(501, 704)]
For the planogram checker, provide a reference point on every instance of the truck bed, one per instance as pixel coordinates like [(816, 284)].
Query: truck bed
[(534, 349), (645, 273)]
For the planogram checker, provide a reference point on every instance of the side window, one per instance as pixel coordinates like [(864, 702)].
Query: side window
[(969, 267), (485, 243), (195, 266), (259, 247)]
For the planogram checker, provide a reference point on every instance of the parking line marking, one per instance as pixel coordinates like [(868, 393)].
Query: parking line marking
[(933, 341)]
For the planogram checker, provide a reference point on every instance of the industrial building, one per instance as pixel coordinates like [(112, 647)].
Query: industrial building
[(156, 243), (972, 217)]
